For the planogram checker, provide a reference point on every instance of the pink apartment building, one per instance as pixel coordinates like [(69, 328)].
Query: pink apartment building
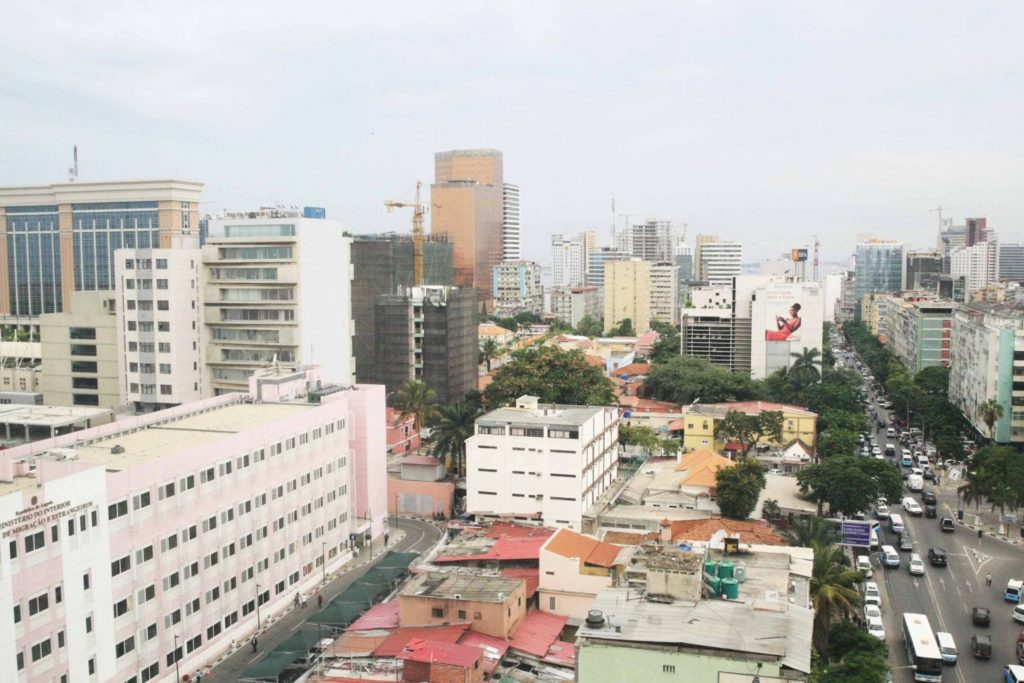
[(168, 536)]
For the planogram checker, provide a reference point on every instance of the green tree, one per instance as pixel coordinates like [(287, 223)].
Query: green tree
[(834, 591), (837, 441), (667, 345), (452, 425), (845, 637), (553, 376), (990, 412), (641, 436), (748, 430), (811, 530), (416, 398), (996, 477), (849, 484), (684, 379), (623, 329), (770, 509), (489, 350), (806, 366), (858, 667), (589, 327), (738, 488)]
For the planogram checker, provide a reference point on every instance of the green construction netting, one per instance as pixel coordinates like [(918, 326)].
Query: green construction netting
[(273, 665), (402, 560), (339, 614), (303, 639)]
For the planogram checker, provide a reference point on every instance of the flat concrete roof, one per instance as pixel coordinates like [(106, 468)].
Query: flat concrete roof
[(558, 415), (475, 587), (48, 416), (158, 440)]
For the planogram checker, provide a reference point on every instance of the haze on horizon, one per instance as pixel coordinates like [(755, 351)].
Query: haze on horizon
[(763, 123)]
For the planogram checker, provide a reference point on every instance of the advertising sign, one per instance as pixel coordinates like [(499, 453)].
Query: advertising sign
[(798, 255), (855, 533), (782, 313)]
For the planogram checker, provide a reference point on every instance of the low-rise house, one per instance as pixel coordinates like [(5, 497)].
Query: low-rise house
[(427, 660), (574, 568), (701, 420), (492, 605)]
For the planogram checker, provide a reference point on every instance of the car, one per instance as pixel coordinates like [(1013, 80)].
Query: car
[(875, 450), (937, 556), (981, 646), (1013, 590), (775, 470), (911, 506), (981, 616), (876, 627), (872, 611), (882, 511), (930, 511), (916, 565), (1018, 614), (928, 497), (906, 541), (947, 524), (872, 596), (929, 475), (864, 565), (947, 647)]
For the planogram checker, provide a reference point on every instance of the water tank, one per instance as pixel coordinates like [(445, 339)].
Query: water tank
[(715, 584), (741, 572), (725, 569), (731, 588), (711, 567), (595, 619)]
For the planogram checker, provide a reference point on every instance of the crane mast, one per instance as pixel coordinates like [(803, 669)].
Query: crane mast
[(419, 209)]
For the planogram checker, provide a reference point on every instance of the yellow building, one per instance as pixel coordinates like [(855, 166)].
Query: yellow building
[(700, 421), (627, 294)]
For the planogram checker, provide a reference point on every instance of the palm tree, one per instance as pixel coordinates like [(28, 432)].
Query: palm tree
[(488, 352), (770, 509), (453, 424), (807, 364), (809, 531), (416, 398), (833, 590), (990, 412)]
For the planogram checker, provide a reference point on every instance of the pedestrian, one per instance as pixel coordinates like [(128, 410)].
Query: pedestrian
[(296, 598), (319, 600), (199, 676), (253, 643), (988, 579)]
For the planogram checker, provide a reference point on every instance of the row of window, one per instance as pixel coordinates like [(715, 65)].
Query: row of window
[(536, 432), (147, 326), (141, 283), (147, 264), (37, 539)]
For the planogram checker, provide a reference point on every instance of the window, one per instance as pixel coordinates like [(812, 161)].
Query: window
[(141, 500), (551, 603), (164, 347), (119, 509), (84, 366), (120, 607), (82, 332), (85, 399), (58, 594), (83, 349), (163, 305), (165, 491), (125, 646), (120, 566), (38, 604), (144, 555), (86, 581), (161, 284), (41, 649), (88, 624), (188, 482), (165, 368), (147, 594), (17, 614), (437, 612), (149, 672), (161, 264), (462, 614), (668, 668), (35, 541)]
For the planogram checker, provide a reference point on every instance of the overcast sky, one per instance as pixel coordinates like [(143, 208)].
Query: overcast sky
[(763, 122)]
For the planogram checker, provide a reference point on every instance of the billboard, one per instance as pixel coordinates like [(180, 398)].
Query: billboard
[(855, 533), (785, 318), (798, 255)]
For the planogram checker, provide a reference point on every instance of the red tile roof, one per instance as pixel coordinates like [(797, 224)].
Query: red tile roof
[(596, 361), (396, 642), (647, 405), (587, 549), (432, 651), (503, 550), (383, 615), (750, 531), (633, 369), (531, 575), (511, 530), (537, 633)]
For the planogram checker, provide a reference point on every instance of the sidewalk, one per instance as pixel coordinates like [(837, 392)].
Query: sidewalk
[(980, 517)]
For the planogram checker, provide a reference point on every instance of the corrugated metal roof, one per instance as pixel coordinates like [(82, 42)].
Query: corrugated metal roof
[(531, 575), (398, 639), (493, 648), (384, 615), (431, 651), (537, 633)]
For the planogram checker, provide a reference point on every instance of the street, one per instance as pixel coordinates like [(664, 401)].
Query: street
[(419, 536), (946, 595)]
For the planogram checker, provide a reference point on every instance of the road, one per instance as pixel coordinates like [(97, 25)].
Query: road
[(419, 536), (947, 595)]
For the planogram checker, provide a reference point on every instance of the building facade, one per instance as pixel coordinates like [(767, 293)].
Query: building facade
[(166, 538), (627, 294), (920, 332), (568, 261), (541, 463), (159, 326), (700, 421), (572, 304), (598, 260), (653, 241), (920, 266), (58, 239), (880, 268), (79, 353), (276, 287), (664, 292), (517, 289), (977, 265), (716, 261)]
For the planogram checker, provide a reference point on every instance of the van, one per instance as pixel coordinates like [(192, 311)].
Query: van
[(947, 648), (890, 558), (1013, 590), (890, 432), (915, 483), (922, 462), (890, 450), (906, 460), (896, 523)]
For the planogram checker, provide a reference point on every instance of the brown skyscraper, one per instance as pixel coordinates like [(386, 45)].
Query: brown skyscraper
[(467, 205)]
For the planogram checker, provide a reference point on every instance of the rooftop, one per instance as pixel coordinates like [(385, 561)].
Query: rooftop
[(538, 632), (48, 416), (432, 651), (396, 641), (748, 407), (701, 468), (587, 549), (543, 414), (470, 587), (497, 543), (723, 625)]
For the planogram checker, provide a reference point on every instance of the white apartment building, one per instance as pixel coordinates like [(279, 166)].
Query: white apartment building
[(978, 265), (169, 537), (510, 242), (665, 292), (572, 304), (159, 325), (276, 286), (542, 464), (719, 262), (569, 258)]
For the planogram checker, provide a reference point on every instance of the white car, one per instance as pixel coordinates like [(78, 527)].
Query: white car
[(882, 511), (871, 594), (916, 565), (911, 506), (864, 565), (872, 612), (876, 628), (1018, 614)]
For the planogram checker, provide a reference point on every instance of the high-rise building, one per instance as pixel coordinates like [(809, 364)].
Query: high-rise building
[(652, 241), (627, 294), (921, 264), (595, 273), (277, 287), (880, 268), (976, 264), (664, 292), (428, 334), (589, 249), (517, 289), (1011, 262), (383, 265), (468, 206), (716, 261), (159, 325), (79, 353), (510, 243), (975, 231), (184, 530), (951, 238), (919, 331), (569, 260), (58, 239)]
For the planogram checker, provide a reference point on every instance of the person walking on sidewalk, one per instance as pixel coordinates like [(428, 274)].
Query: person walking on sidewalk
[(253, 643), (988, 579), (319, 600)]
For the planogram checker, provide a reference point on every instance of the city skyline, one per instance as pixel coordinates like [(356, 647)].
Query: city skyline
[(737, 121)]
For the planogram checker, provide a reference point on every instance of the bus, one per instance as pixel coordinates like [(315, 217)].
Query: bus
[(922, 649)]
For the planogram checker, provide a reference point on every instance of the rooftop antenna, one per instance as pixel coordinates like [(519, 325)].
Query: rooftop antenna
[(73, 171), (613, 222)]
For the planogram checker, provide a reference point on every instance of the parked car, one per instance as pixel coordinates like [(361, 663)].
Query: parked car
[(872, 611), (877, 629), (981, 646), (872, 596), (916, 565), (947, 524), (911, 506), (937, 556), (864, 565), (1018, 614), (882, 511), (980, 616)]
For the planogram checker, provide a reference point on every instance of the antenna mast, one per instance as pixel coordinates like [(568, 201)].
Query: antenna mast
[(73, 171), (613, 222)]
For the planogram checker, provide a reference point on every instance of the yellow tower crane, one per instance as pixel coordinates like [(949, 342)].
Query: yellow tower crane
[(419, 209)]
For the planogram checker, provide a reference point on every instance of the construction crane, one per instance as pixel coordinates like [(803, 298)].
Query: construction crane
[(419, 209), (939, 210)]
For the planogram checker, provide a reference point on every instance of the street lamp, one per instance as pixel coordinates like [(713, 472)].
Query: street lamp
[(257, 607), (177, 675)]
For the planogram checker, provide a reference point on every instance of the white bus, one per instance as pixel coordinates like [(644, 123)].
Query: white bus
[(922, 649)]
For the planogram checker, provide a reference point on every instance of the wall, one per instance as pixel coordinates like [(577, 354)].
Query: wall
[(401, 492), (496, 619), (597, 663), (574, 593)]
